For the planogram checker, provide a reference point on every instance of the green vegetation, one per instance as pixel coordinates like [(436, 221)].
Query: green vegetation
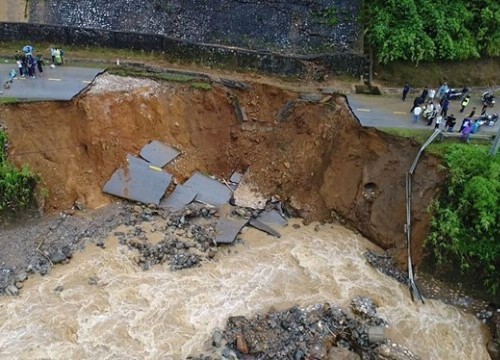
[(428, 30), (8, 100), (201, 86), (465, 230), (16, 186)]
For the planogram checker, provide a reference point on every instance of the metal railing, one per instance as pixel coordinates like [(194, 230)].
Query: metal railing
[(415, 293)]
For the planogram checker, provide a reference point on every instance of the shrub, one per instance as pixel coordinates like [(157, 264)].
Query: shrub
[(465, 229), (17, 186)]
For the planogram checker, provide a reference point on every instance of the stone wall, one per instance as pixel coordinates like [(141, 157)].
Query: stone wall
[(288, 26), (210, 55)]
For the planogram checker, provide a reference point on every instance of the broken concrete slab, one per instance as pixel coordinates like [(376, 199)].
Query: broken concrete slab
[(227, 228), (235, 84), (158, 153), (138, 182), (236, 177), (286, 111), (178, 199), (310, 97), (272, 218), (208, 190), (137, 161), (247, 195), (263, 227)]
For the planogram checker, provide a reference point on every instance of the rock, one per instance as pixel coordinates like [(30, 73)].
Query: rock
[(19, 285), (59, 289), (57, 257), (286, 164), (241, 344), (296, 226), (376, 334), (92, 280), (363, 306), (493, 349), (393, 351), (137, 209), (338, 353), (12, 290), (22, 276), (217, 338)]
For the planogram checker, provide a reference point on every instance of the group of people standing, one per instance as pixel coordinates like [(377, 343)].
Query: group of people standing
[(433, 107)]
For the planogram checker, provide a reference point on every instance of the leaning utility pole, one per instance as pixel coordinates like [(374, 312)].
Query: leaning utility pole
[(496, 144)]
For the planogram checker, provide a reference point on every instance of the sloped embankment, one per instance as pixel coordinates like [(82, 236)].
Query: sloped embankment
[(317, 158)]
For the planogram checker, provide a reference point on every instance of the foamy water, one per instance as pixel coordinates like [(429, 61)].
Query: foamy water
[(135, 314)]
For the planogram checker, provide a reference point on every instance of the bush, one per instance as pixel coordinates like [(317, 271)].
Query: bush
[(16, 186), (427, 30), (465, 229)]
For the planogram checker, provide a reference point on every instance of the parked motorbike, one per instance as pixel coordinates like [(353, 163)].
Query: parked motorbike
[(489, 119), (488, 98), (455, 94)]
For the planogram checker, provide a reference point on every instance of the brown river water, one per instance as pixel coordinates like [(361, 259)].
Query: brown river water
[(159, 314)]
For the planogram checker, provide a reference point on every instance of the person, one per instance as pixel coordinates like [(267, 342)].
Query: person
[(472, 113), (53, 55), (57, 57), (465, 122), (416, 114), (450, 123), (417, 102), (39, 63), (406, 90), (443, 90), (444, 107), (475, 127), (432, 94), (439, 120), (465, 102), (425, 92), (466, 132), (432, 116), (20, 67)]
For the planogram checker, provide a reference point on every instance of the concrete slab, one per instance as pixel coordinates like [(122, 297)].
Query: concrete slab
[(140, 183), (272, 218), (208, 190), (263, 227), (158, 154), (131, 159), (236, 177), (227, 228), (178, 199)]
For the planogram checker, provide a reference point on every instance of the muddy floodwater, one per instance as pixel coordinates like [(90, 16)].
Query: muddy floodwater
[(103, 306)]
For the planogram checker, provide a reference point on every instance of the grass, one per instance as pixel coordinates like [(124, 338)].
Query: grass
[(201, 86), (421, 135), (9, 100)]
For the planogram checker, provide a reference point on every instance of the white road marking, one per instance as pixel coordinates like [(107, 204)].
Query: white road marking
[(365, 110), (51, 79), (399, 112), (86, 81)]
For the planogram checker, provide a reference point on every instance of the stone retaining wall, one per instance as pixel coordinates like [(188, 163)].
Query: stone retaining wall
[(289, 26), (349, 63)]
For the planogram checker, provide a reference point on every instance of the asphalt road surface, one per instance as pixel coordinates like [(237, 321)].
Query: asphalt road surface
[(390, 111), (61, 83)]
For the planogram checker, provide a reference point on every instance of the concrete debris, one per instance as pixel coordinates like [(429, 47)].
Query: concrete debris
[(227, 228), (208, 190), (310, 97), (286, 111), (235, 84), (159, 154), (263, 227), (139, 181), (178, 199), (248, 196)]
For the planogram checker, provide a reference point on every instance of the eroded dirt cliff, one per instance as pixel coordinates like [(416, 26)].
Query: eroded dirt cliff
[(318, 159)]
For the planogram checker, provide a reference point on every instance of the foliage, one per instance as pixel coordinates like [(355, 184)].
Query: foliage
[(427, 30), (201, 86), (465, 229), (16, 186)]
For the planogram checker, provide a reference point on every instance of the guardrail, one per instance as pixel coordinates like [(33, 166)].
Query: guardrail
[(415, 293)]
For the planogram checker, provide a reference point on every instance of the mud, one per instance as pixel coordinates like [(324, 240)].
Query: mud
[(317, 159)]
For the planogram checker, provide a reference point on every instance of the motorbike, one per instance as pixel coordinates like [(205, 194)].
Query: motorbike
[(8, 83), (488, 119), (488, 98), (455, 94)]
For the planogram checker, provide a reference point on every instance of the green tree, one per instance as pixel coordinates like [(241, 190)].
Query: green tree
[(465, 229)]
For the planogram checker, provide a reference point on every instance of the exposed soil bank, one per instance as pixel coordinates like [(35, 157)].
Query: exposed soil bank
[(318, 159)]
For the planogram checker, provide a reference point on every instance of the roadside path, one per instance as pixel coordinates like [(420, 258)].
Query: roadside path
[(61, 83)]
